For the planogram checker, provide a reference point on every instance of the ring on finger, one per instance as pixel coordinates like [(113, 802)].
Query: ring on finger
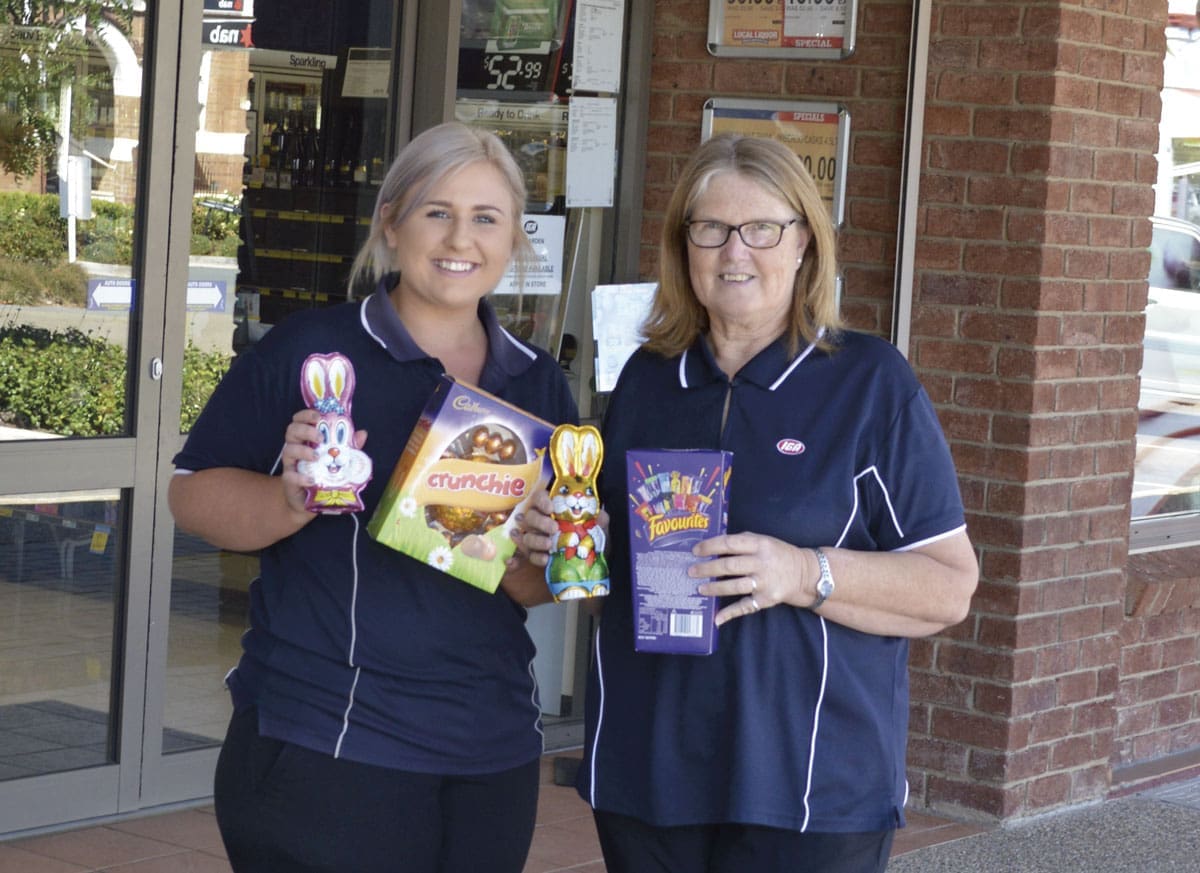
[(754, 607), (753, 584)]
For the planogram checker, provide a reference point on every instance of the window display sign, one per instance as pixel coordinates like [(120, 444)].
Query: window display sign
[(782, 28), (544, 276), (818, 132), (514, 47), (367, 72)]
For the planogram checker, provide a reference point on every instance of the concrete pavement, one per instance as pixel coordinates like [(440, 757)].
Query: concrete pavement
[(1155, 831)]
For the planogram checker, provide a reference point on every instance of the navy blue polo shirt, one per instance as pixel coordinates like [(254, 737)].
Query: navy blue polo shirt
[(355, 649), (794, 722)]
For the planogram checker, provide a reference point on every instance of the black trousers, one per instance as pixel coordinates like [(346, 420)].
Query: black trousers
[(633, 846), (282, 808)]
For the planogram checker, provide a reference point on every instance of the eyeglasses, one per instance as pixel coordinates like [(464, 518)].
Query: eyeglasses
[(755, 234)]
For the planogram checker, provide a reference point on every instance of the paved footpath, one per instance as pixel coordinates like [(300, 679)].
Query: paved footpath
[(1157, 831)]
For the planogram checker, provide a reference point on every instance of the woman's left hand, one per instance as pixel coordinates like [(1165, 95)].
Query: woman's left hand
[(762, 570), (903, 593), (537, 534)]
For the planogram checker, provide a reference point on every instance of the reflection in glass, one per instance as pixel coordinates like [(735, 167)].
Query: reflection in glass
[(1166, 477), (1167, 468), (59, 588), (294, 132), (209, 605), (70, 86)]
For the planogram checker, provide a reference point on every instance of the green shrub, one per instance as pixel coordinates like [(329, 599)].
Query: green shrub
[(30, 229), (63, 382), (107, 237), (71, 383), (201, 372)]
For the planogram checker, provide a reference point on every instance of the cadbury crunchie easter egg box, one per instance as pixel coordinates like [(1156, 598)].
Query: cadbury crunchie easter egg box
[(469, 469)]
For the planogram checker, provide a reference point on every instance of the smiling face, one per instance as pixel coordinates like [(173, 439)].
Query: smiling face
[(453, 248), (745, 290)]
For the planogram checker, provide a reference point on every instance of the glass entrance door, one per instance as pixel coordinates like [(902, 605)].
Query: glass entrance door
[(293, 116), (82, 253), (175, 179)]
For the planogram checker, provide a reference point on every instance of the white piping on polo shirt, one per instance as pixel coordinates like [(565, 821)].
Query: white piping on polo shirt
[(599, 720), (528, 352), (362, 316), (887, 498), (337, 751), (783, 376), (537, 709), (796, 363), (816, 724)]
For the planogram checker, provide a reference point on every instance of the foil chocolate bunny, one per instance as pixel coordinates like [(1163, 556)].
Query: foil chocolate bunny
[(577, 565), (341, 470)]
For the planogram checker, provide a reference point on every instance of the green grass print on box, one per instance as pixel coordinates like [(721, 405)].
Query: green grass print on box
[(405, 530)]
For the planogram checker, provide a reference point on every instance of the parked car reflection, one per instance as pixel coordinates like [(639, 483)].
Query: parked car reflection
[(1167, 467)]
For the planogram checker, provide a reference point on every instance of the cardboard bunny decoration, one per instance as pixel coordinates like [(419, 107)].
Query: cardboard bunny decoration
[(342, 470), (577, 565)]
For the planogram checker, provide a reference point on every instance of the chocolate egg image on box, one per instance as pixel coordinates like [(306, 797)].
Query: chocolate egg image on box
[(487, 443)]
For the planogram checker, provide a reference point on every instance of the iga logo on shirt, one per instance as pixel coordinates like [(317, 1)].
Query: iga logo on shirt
[(789, 446)]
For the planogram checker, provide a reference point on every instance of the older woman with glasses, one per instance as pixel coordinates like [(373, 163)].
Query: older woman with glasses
[(784, 749)]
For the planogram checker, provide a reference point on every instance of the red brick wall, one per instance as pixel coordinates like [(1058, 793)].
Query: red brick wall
[(871, 84), (1158, 691), (1039, 145), (1037, 167)]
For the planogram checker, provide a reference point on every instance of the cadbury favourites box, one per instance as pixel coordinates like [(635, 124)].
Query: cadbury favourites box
[(676, 498), (470, 467)]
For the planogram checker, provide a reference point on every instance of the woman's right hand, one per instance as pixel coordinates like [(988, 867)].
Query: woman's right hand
[(299, 439), (538, 530)]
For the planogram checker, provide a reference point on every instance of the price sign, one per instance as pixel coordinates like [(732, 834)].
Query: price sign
[(782, 28), (515, 47), (510, 72), (819, 133)]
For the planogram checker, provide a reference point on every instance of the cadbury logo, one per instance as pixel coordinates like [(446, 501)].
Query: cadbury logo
[(466, 404), (789, 446)]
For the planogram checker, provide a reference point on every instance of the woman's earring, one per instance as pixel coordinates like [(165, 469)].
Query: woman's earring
[(799, 260)]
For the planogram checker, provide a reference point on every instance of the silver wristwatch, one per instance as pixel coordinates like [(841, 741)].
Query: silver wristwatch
[(825, 583)]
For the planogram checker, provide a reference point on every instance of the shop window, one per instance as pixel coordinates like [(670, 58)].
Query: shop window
[(1166, 486)]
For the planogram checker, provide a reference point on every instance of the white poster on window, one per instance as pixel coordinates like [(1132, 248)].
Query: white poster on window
[(618, 313), (591, 151), (598, 28), (544, 276)]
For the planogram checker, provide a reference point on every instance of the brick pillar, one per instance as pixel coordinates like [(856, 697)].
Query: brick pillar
[(1038, 164)]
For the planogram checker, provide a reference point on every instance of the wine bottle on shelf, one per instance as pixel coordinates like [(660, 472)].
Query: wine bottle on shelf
[(310, 155), (272, 151), (348, 160), (331, 145), (295, 154), (376, 167), (287, 151)]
